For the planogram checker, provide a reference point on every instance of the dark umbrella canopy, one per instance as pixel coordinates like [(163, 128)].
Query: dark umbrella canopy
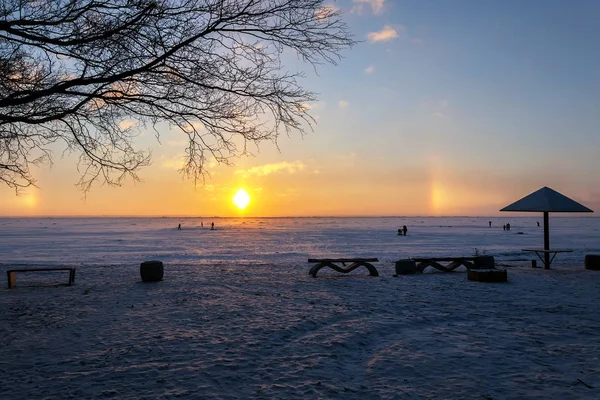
[(546, 200)]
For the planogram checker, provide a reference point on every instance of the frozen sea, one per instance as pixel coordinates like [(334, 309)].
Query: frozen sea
[(238, 317), (286, 241)]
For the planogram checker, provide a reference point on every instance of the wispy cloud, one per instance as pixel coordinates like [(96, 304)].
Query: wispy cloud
[(359, 6), (370, 69), (127, 124), (268, 169), (196, 126), (343, 104), (386, 34), (441, 107), (326, 11), (175, 162)]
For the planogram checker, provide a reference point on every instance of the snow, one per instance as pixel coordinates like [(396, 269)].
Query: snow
[(238, 316)]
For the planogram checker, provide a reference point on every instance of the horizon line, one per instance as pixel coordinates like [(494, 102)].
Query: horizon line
[(578, 215)]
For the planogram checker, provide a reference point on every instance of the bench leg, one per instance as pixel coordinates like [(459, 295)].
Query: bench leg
[(315, 268), (468, 264), (453, 265), (372, 269), (440, 267), (12, 280), (422, 265)]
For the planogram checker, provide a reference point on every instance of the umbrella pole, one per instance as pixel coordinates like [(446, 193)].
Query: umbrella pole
[(546, 241)]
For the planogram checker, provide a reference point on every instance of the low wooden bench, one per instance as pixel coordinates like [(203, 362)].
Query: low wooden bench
[(452, 263), (12, 280), (331, 263)]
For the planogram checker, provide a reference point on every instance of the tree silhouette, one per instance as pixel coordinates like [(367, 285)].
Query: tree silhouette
[(86, 75)]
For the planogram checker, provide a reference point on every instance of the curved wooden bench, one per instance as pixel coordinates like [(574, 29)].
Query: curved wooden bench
[(453, 263), (331, 263)]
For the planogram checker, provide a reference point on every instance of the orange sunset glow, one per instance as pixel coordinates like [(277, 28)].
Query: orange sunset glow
[(425, 116)]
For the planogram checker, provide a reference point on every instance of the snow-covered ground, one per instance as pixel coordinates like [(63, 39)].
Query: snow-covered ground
[(237, 315)]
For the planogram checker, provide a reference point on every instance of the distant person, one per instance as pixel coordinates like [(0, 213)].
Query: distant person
[(404, 229), (212, 226), (179, 227), (503, 227), (538, 222), (508, 227), (201, 224), (490, 223), (400, 232)]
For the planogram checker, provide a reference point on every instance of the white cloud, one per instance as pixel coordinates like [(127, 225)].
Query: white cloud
[(359, 6), (343, 104), (196, 126), (326, 11), (268, 169), (175, 162), (127, 124), (387, 33), (370, 69)]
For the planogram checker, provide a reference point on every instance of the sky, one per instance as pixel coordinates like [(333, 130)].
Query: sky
[(443, 108)]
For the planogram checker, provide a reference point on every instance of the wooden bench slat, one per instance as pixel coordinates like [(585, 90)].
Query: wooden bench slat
[(444, 259), (343, 260), (550, 250), (41, 269)]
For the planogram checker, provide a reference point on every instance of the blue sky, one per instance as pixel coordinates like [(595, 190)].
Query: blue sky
[(444, 108)]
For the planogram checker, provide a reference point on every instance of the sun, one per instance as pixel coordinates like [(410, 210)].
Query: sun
[(241, 199)]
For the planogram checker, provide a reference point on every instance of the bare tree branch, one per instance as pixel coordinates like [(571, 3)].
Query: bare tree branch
[(74, 71)]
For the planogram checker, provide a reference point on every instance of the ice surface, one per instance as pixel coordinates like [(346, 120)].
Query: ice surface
[(284, 241)]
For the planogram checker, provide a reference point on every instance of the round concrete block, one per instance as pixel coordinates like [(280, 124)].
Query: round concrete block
[(484, 262), (405, 267), (151, 271), (487, 275), (592, 261)]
